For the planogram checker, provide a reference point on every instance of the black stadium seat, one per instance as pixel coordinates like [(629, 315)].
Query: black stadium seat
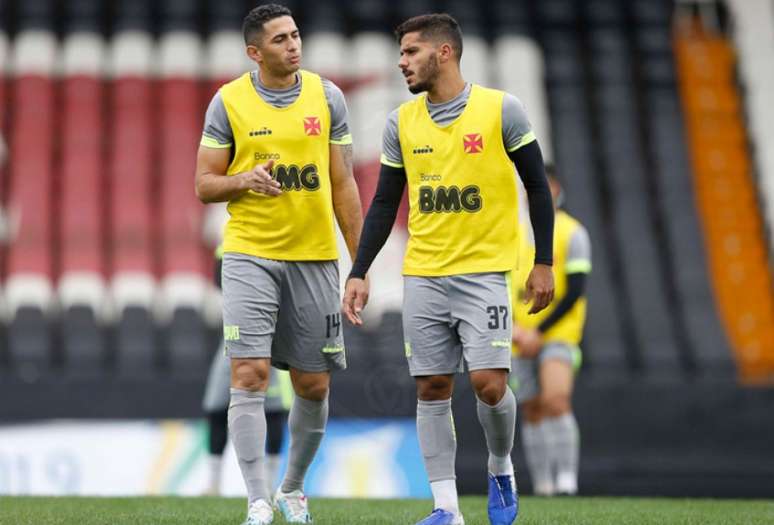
[(136, 347), (187, 346), (83, 343), (30, 344)]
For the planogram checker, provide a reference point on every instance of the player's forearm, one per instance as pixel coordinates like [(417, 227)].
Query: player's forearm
[(211, 187), (349, 215), (529, 163), (576, 285), (380, 218)]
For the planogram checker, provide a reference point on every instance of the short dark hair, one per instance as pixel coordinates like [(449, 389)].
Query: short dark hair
[(436, 26), (252, 26)]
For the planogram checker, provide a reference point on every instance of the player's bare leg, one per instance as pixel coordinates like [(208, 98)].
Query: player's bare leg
[(307, 421), (247, 424), (560, 427), (496, 409)]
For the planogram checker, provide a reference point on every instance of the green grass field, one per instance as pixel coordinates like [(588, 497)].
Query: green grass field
[(226, 511)]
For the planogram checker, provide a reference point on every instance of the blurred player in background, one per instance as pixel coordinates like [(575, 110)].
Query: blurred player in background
[(456, 147), (276, 146), (547, 356), (279, 396)]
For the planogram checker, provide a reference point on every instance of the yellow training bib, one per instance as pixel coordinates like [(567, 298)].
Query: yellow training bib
[(569, 329), (463, 206), (298, 224)]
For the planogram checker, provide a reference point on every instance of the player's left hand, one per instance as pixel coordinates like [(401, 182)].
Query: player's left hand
[(355, 299), (539, 287)]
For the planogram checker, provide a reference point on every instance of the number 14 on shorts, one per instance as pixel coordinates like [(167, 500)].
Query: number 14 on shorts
[(333, 323)]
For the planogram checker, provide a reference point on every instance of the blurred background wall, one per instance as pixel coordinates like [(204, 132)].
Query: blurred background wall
[(659, 117)]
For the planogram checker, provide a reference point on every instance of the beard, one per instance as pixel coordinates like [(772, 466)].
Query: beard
[(428, 74)]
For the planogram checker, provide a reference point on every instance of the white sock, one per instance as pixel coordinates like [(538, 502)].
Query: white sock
[(445, 495), (500, 466)]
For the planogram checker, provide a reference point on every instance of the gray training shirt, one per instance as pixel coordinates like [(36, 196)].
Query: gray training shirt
[(516, 127), (217, 126)]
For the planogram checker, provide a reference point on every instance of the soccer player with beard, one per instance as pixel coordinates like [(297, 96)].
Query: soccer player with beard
[(456, 146)]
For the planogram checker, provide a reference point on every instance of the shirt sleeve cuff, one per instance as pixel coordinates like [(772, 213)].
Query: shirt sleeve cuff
[(342, 141), (212, 143), (387, 162), (523, 141), (578, 266)]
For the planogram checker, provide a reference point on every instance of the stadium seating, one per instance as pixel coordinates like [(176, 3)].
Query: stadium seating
[(119, 252), (82, 262), (185, 265), (606, 346), (732, 226), (30, 265)]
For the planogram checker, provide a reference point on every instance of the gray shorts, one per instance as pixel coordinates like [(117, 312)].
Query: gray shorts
[(448, 318), (217, 392), (525, 377), (284, 310)]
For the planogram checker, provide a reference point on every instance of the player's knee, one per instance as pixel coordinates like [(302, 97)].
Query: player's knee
[(434, 388), (555, 405), (313, 391), (249, 374), (311, 386), (490, 393), (489, 385)]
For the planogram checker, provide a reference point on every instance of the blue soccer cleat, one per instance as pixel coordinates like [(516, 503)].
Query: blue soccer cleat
[(442, 517), (503, 504)]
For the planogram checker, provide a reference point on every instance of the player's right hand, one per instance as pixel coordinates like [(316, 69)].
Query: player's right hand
[(355, 299), (259, 180)]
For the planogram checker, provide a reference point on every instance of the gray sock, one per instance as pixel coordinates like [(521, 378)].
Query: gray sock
[(306, 422), (437, 440), (536, 452), (499, 424), (563, 441), (247, 425)]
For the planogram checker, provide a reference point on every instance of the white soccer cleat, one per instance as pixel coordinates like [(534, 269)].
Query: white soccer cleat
[(293, 506), (259, 513)]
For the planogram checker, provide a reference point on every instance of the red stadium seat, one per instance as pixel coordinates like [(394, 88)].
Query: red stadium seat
[(131, 192), (184, 263), (82, 258), (30, 263)]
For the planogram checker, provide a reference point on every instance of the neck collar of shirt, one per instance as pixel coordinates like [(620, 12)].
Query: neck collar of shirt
[(463, 95), (263, 87)]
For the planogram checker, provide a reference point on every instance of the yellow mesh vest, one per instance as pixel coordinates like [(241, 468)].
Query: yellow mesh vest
[(569, 329), (298, 224), (463, 206)]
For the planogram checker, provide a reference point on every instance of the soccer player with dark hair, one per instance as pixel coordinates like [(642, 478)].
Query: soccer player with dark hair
[(547, 356), (279, 397), (276, 146), (456, 146)]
